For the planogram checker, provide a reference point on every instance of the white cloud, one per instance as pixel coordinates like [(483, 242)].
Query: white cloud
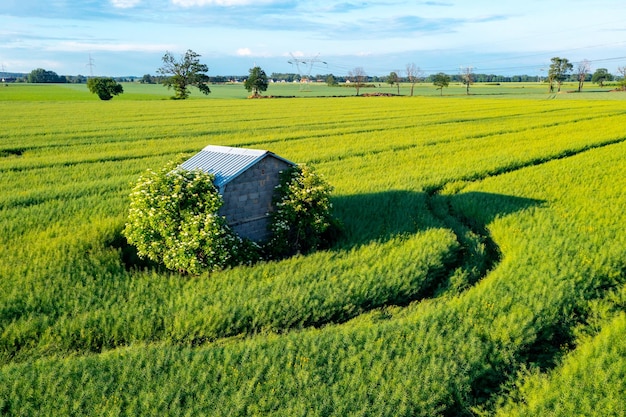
[(125, 4), (244, 52), (247, 52)]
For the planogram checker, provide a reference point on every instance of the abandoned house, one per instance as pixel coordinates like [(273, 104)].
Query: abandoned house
[(246, 179)]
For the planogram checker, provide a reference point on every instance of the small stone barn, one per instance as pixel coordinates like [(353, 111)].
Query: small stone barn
[(246, 179)]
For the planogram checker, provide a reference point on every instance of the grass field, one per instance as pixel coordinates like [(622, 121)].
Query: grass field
[(136, 91), (482, 270)]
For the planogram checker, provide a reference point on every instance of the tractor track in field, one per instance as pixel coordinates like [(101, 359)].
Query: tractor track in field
[(479, 253)]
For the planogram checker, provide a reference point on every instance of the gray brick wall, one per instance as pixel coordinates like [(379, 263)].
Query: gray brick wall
[(248, 198)]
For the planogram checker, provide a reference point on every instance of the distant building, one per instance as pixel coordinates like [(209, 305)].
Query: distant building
[(246, 179)]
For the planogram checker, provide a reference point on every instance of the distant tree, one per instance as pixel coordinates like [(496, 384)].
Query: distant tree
[(600, 76), (559, 69), (105, 88), (440, 81), (220, 79), (413, 74), (330, 80), (358, 77), (256, 82), (147, 79), (582, 70), (287, 77), (75, 79), (392, 79), (467, 78), (41, 75), (182, 73)]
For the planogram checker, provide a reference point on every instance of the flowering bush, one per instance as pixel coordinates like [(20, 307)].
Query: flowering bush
[(173, 220), (302, 220)]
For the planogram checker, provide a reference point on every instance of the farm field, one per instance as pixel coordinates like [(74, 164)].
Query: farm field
[(136, 91), (482, 269)]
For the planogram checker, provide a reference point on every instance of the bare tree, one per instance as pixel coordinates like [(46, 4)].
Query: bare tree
[(622, 71), (582, 70), (467, 77), (414, 75), (358, 77)]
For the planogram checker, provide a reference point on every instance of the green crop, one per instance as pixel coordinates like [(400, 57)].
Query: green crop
[(482, 268)]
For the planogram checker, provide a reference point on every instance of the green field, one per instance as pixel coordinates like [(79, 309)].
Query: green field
[(482, 270), (137, 91)]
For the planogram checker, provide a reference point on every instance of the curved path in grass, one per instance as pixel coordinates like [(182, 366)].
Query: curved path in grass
[(478, 252)]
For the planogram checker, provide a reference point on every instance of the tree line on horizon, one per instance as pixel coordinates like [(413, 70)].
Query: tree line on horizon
[(41, 75), (36, 76), (178, 74)]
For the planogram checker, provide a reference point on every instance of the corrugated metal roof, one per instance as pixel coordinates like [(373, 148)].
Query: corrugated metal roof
[(226, 163)]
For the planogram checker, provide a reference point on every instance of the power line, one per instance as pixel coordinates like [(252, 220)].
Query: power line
[(90, 64), (304, 66)]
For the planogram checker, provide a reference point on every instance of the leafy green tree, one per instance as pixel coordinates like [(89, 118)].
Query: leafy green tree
[(104, 87), (600, 76), (302, 221), (558, 72), (41, 75), (188, 71), (440, 81), (173, 220), (256, 82), (392, 79), (330, 80), (147, 79)]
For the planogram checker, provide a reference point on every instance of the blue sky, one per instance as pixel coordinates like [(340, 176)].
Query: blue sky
[(129, 37)]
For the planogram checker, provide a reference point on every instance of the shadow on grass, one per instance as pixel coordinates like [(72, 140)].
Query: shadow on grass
[(468, 215), (379, 217), (478, 209), (12, 152), (382, 216), (128, 254)]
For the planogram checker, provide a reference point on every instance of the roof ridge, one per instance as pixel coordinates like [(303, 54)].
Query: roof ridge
[(233, 150), (226, 162)]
